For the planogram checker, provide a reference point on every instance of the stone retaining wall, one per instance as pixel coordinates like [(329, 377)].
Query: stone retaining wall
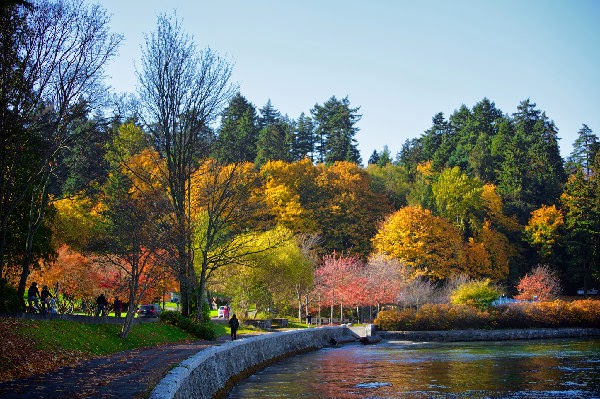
[(489, 335), (212, 371)]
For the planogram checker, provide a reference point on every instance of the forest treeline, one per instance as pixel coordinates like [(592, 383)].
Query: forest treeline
[(187, 183)]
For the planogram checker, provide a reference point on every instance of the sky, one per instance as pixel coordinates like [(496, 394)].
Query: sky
[(400, 61)]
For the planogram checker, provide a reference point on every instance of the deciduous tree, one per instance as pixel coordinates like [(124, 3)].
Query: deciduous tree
[(182, 91), (427, 243)]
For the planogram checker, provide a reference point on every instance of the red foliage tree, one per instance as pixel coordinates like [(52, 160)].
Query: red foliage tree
[(542, 283)]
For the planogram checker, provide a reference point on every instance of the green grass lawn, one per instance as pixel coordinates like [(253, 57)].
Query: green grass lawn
[(98, 339)]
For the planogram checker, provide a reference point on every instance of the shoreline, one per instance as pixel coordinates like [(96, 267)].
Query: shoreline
[(490, 335)]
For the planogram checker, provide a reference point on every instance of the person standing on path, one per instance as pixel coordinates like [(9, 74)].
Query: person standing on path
[(234, 324), (308, 319)]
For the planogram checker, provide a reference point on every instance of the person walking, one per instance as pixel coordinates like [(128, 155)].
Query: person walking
[(308, 319), (117, 304), (234, 324), (101, 303)]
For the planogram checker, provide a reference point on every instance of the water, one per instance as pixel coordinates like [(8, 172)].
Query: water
[(510, 369)]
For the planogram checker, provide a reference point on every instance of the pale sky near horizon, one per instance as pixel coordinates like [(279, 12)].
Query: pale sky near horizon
[(401, 62)]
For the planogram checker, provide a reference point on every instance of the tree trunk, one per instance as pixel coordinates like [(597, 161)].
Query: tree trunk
[(300, 307)]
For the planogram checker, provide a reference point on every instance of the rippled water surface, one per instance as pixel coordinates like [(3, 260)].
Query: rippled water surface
[(514, 369)]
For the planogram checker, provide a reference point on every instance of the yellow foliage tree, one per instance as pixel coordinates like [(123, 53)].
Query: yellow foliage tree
[(290, 193), (543, 229), (429, 244)]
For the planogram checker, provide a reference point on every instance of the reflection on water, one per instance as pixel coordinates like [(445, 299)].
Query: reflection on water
[(515, 369)]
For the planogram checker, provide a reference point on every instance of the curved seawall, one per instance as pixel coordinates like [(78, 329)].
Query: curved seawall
[(211, 371), (489, 335)]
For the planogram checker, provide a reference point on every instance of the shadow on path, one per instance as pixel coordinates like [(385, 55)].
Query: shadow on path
[(129, 374)]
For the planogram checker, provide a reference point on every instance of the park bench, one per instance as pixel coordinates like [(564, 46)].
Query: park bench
[(264, 324), (279, 323)]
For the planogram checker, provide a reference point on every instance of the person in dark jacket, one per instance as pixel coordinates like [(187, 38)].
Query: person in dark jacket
[(33, 295), (234, 324), (118, 305), (101, 303), (45, 296)]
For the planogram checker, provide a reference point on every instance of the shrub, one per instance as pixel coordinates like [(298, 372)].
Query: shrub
[(542, 283), (587, 312), (9, 299), (480, 294), (200, 330), (395, 319), (581, 313), (450, 317)]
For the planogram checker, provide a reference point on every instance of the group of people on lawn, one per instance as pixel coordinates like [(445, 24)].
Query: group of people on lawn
[(45, 297), (34, 297)]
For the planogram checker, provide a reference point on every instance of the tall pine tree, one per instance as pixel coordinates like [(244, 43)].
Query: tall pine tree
[(238, 133), (335, 129)]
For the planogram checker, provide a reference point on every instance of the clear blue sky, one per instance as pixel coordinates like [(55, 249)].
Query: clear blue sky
[(401, 62)]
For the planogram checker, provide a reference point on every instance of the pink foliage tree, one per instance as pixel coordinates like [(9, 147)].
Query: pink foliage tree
[(339, 281)]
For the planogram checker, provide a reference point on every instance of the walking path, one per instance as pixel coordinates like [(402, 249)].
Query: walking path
[(129, 374)]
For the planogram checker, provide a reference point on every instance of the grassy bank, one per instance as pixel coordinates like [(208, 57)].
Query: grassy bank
[(35, 346)]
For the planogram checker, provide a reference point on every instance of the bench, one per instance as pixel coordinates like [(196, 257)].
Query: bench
[(264, 324), (279, 323)]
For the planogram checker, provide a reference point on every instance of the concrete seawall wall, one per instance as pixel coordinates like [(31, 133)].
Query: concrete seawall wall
[(211, 371), (489, 335)]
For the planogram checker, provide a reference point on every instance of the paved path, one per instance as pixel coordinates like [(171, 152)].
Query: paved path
[(130, 374)]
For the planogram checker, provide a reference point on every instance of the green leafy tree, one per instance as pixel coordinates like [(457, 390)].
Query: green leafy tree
[(458, 199), (581, 204), (335, 127), (478, 293), (391, 180)]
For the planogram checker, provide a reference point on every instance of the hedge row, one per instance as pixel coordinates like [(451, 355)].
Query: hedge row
[(581, 313), (200, 330)]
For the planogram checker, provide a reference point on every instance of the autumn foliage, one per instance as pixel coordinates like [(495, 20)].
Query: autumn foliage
[(541, 283), (555, 314)]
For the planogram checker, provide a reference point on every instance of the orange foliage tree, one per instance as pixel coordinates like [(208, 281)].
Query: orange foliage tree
[(71, 277), (347, 210)]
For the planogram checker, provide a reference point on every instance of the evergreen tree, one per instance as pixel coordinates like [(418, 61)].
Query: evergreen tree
[(335, 128), (268, 116), (431, 140), (531, 173), (303, 144), (485, 121), (374, 158), (410, 155), (584, 152), (385, 157), (272, 144), (238, 133)]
